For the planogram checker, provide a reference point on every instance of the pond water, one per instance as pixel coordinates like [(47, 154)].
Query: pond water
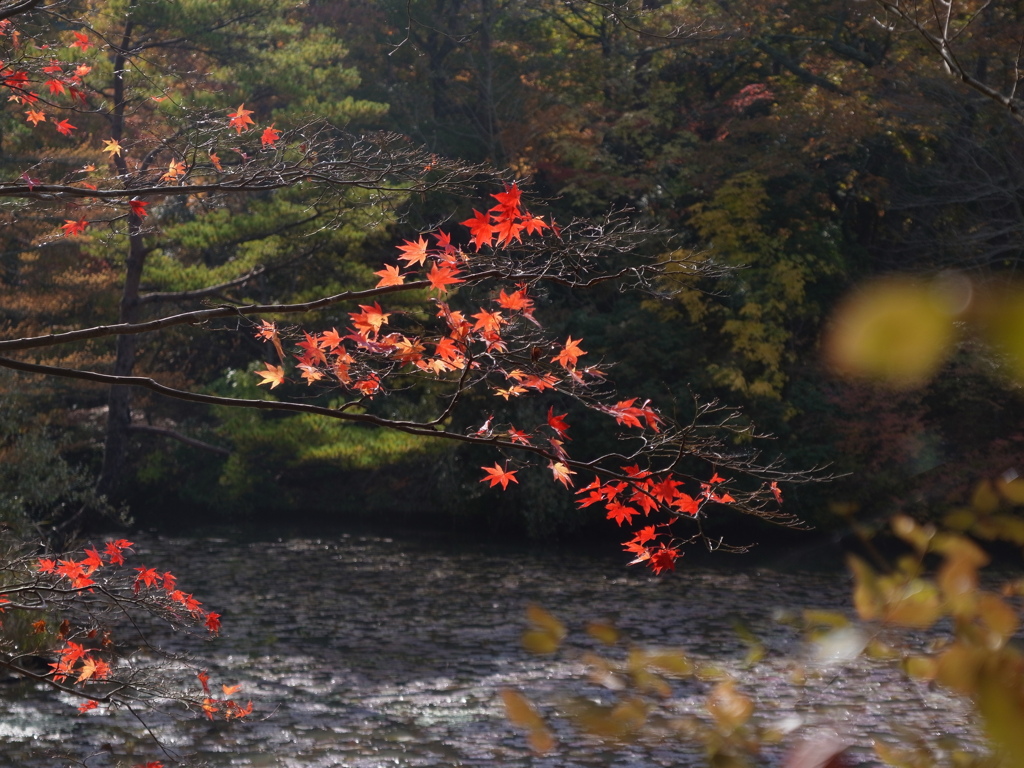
[(370, 651)]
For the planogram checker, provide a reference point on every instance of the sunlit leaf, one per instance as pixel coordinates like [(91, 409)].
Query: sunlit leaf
[(729, 707), (895, 331)]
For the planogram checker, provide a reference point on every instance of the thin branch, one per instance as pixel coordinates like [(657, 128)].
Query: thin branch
[(174, 435)]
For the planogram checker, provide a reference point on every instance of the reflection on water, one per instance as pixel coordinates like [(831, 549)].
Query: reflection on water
[(366, 651)]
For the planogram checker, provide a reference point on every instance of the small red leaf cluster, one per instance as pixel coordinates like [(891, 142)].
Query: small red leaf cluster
[(213, 708), (362, 358), (505, 222), (103, 570)]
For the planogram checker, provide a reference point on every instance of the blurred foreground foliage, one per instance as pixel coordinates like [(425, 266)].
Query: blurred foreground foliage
[(927, 610)]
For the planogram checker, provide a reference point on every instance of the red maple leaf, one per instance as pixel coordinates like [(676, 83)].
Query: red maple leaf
[(72, 228), (518, 436), (686, 504), (480, 228), (270, 136), (666, 490), (557, 422), (138, 208), (92, 561), (81, 41), (213, 622), (507, 228), (663, 559), (533, 224), (64, 127), (508, 201), (239, 119), (499, 474), (444, 242), (147, 576), (113, 551), (620, 512)]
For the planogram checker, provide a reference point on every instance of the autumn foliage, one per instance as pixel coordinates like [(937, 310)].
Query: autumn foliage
[(74, 606), (493, 340)]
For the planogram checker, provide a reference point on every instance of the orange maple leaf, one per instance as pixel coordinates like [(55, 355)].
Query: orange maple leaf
[(270, 136), (414, 252), (239, 119), (499, 474), (35, 117), (570, 354), (216, 161), (561, 473), (370, 319), (389, 276), (273, 375), (443, 275), (175, 170), (488, 321)]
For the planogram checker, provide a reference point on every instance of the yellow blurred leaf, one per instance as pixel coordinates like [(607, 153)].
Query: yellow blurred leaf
[(915, 535), (914, 605), (603, 632), (545, 621), (670, 662), (1001, 316), (1000, 699), (867, 598), (896, 331), (729, 707), (984, 500), (957, 667), (921, 667), (1000, 619), (541, 740), (539, 641), (825, 618), (519, 711), (959, 519)]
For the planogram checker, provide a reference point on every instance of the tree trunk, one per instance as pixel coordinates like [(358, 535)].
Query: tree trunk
[(119, 414)]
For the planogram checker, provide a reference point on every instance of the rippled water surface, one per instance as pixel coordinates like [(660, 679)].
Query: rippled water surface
[(367, 651)]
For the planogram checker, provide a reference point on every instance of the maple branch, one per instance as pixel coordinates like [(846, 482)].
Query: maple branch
[(17, 8), (199, 316)]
